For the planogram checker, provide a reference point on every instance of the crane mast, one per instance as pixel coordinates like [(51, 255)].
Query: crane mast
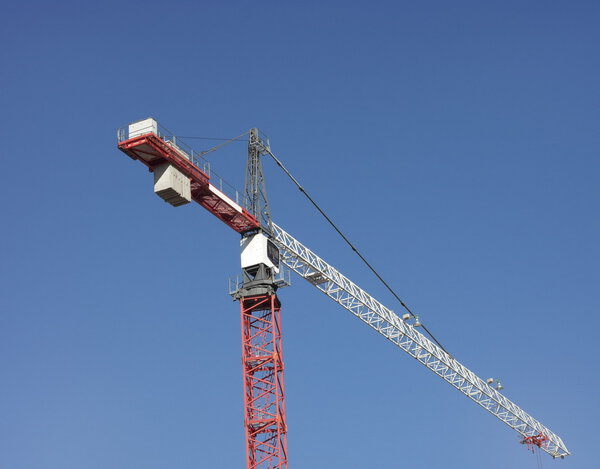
[(262, 366), (180, 176), (262, 351)]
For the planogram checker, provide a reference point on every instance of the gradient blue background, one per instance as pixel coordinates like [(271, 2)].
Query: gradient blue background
[(455, 142)]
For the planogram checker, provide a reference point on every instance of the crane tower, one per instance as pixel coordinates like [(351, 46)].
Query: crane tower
[(182, 175)]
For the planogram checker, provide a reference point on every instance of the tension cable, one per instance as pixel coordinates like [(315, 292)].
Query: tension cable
[(349, 243)]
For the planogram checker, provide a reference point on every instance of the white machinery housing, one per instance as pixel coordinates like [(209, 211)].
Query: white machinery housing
[(142, 127), (259, 249), (172, 185)]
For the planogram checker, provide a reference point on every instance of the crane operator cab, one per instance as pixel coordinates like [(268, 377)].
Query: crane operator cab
[(259, 262)]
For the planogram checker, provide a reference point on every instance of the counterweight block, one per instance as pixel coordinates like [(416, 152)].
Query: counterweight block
[(172, 185)]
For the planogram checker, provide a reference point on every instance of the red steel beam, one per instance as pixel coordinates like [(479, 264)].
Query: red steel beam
[(153, 151)]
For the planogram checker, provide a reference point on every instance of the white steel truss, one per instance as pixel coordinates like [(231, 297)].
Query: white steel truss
[(345, 292)]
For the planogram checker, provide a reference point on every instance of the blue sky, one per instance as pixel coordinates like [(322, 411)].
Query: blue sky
[(455, 142)]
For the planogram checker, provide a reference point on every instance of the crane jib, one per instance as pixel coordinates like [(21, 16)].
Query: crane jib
[(343, 291)]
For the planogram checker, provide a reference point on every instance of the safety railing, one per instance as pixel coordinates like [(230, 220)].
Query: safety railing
[(282, 279), (189, 153)]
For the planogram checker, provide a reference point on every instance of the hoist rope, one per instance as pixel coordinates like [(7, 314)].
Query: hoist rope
[(349, 243)]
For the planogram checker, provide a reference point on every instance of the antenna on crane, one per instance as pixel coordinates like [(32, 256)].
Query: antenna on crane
[(255, 190)]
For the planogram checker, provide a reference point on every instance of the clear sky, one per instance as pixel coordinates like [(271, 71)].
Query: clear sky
[(455, 142)]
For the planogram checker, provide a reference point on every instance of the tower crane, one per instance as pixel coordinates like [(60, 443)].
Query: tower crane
[(182, 175)]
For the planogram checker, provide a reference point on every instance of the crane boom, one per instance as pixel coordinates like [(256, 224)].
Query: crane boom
[(343, 291)]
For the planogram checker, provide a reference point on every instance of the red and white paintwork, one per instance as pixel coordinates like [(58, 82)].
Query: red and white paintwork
[(265, 420), (153, 151), (262, 363)]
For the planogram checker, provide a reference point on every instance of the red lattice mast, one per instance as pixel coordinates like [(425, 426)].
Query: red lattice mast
[(262, 362)]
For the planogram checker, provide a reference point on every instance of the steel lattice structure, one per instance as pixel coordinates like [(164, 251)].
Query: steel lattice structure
[(265, 420), (343, 291), (262, 363)]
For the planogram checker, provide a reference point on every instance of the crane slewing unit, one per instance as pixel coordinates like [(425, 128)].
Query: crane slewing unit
[(182, 175)]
